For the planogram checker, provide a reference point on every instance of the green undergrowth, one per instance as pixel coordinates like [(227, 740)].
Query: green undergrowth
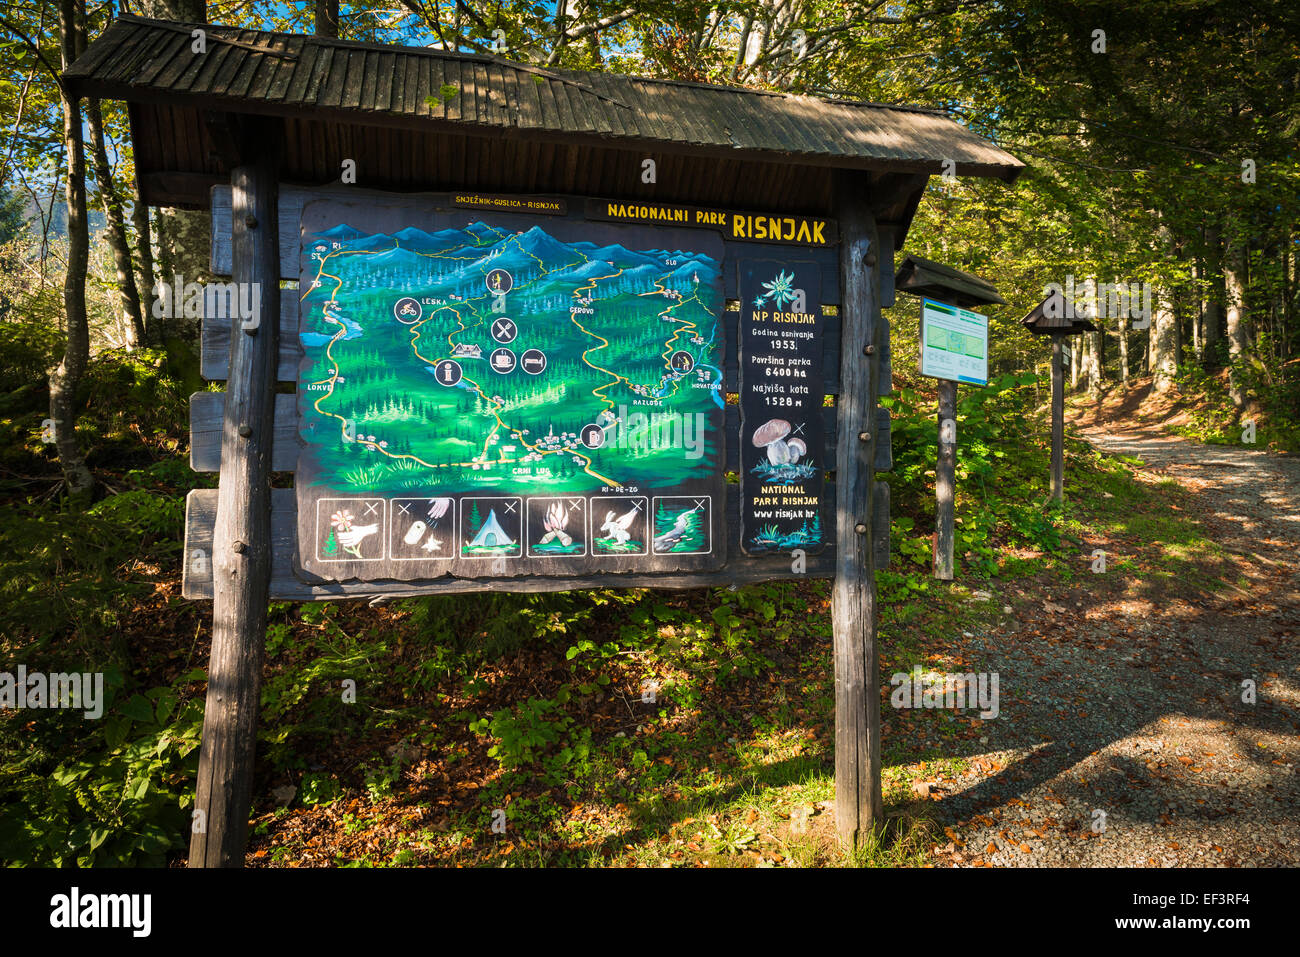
[(113, 790), (1271, 398)]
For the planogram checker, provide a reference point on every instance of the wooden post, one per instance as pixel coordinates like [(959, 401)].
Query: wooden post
[(241, 544), (1058, 421), (857, 680), (945, 480)]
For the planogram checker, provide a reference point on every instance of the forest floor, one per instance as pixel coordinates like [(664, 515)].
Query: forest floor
[(1131, 736)]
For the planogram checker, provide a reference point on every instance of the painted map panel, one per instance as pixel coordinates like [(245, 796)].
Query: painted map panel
[(491, 394)]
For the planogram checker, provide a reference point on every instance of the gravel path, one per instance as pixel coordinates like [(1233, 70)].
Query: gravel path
[(1124, 739)]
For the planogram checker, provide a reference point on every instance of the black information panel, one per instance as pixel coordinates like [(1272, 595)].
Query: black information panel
[(782, 448), (488, 393)]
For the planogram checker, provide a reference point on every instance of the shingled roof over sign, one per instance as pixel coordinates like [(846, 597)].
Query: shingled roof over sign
[(925, 277), (286, 73), (325, 82)]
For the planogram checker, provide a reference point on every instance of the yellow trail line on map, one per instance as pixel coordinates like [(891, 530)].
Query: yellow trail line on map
[(500, 424), (695, 297)]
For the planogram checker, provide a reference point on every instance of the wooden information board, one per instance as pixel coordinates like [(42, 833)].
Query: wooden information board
[(404, 425)]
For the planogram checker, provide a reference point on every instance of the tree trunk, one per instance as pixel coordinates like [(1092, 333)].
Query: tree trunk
[(1164, 340), (187, 11), (1123, 350), (1076, 362), (1182, 301), (1212, 332), (1094, 362), (327, 18), (1234, 275), (144, 265), (184, 235), (66, 376), (1198, 314), (116, 232)]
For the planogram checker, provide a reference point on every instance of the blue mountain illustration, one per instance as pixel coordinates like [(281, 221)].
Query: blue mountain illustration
[(397, 256), (642, 274), (461, 237), (373, 241), (419, 237), (622, 256), (341, 231), (691, 271), (591, 269), (540, 244)]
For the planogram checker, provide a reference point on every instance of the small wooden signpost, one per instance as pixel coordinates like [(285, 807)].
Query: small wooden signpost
[(953, 348), (1049, 318), (512, 342)]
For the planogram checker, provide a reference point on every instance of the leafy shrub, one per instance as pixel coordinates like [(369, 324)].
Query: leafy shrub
[(120, 798), (30, 341), (59, 568), (1001, 479)]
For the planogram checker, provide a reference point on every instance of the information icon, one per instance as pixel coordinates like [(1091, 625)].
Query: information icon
[(499, 281), (534, 361), (681, 361), (593, 436), (407, 310), (503, 361), (504, 330), (447, 372)]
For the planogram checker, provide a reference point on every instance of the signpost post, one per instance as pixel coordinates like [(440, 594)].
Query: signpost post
[(504, 381), (241, 539), (1049, 318), (954, 348), (1059, 362)]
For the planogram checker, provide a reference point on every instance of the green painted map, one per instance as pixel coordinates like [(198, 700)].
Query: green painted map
[(500, 360)]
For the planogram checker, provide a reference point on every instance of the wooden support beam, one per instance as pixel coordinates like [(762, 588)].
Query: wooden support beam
[(857, 680), (945, 480), (207, 427), (223, 132), (880, 524), (214, 344), (241, 545), (1058, 422)]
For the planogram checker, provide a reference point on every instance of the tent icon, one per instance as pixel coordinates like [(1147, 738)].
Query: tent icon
[(491, 534)]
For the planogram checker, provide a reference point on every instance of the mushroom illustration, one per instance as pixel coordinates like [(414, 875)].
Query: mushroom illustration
[(798, 449), (772, 434)]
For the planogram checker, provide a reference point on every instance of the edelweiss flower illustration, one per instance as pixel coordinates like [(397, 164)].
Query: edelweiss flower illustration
[(779, 290)]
